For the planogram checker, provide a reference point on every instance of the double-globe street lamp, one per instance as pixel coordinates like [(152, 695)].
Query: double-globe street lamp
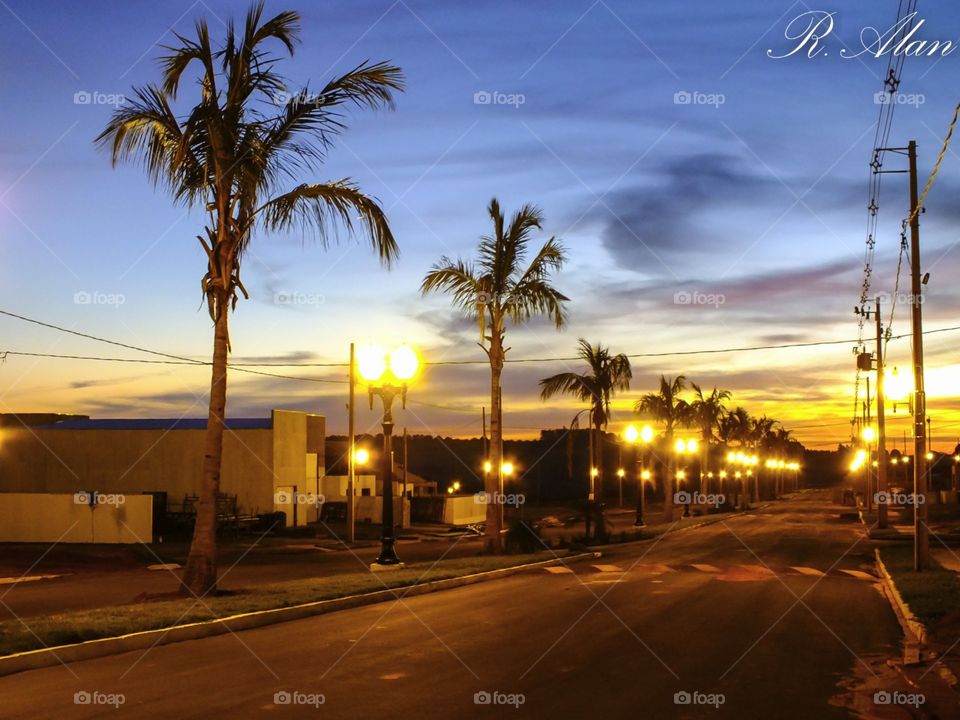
[(645, 436), (387, 375)]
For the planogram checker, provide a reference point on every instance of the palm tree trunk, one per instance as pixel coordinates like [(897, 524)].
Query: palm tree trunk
[(601, 529), (200, 576), (668, 479), (492, 540)]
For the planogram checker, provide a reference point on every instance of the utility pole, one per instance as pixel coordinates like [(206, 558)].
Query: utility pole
[(351, 450), (869, 463), (403, 502), (881, 429), (921, 554)]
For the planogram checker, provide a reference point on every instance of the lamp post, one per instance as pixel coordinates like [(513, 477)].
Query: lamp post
[(644, 436), (387, 375)]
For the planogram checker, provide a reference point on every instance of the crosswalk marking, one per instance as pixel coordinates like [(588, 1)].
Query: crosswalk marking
[(703, 567), (858, 574), (608, 568), (558, 569), (807, 571)]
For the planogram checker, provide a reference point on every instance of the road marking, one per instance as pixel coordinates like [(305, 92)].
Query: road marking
[(27, 578), (858, 574), (558, 570), (609, 568), (703, 567), (807, 571)]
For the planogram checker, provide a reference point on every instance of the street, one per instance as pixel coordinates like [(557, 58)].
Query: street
[(753, 616)]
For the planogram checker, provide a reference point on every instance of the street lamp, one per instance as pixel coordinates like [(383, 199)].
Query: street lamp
[(387, 375), (645, 436), (620, 474)]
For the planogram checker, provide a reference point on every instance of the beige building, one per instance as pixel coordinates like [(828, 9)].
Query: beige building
[(269, 464)]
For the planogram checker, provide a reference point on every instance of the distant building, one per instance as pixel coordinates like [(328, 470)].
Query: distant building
[(269, 464)]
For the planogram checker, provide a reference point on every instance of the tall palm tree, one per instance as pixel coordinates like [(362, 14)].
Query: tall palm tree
[(706, 412), (237, 155), (501, 286), (669, 408), (760, 434), (606, 375)]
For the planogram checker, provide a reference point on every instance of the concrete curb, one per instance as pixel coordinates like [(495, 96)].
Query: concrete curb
[(102, 647), (914, 631)]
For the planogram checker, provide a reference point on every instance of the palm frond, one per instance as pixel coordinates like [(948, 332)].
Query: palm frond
[(326, 207)]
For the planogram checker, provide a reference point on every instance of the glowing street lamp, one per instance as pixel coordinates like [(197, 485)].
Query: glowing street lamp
[(387, 375), (645, 436), (507, 469), (361, 456)]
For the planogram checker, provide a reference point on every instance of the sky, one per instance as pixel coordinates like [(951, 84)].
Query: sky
[(710, 195)]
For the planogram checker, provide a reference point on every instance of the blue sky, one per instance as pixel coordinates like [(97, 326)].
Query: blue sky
[(754, 191)]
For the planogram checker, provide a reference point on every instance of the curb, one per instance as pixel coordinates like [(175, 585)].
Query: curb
[(914, 631), (102, 647)]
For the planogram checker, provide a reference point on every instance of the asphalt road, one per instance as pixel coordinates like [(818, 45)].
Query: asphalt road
[(754, 617)]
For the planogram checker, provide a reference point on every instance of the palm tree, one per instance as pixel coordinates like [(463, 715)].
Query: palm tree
[(669, 408), (237, 159), (760, 434), (706, 412), (607, 374), (500, 286)]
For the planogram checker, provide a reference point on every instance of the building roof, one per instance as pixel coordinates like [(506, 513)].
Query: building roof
[(157, 424)]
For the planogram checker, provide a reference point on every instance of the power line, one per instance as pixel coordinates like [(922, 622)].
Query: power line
[(245, 367)]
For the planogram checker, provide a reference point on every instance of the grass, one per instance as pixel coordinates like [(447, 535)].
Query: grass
[(62, 629), (932, 594)]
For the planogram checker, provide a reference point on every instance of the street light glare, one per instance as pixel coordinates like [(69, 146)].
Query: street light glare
[(361, 456), (692, 445), (631, 434), (869, 434), (507, 469), (371, 362), (680, 446), (646, 434), (404, 362)]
